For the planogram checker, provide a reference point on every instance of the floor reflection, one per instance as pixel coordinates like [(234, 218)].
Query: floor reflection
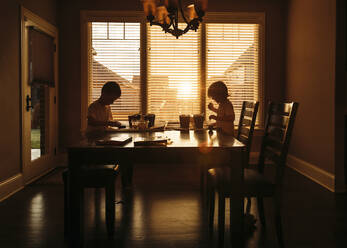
[(37, 217), (163, 208), (157, 210)]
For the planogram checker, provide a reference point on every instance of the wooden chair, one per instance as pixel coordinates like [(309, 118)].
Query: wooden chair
[(95, 176), (245, 130), (247, 120), (274, 148)]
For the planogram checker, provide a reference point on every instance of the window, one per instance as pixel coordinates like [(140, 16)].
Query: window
[(178, 71), (233, 57), (115, 54), (173, 74)]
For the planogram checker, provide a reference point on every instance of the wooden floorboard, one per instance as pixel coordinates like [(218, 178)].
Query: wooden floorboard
[(163, 208)]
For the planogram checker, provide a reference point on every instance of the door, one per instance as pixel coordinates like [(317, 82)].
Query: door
[(39, 88)]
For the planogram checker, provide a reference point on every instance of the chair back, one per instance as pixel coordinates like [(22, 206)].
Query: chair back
[(248, 117), (277, 135)]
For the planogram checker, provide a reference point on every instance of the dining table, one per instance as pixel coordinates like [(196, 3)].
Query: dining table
[(203, 148)]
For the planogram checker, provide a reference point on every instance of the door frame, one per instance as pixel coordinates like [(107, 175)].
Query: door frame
[(31, 170)]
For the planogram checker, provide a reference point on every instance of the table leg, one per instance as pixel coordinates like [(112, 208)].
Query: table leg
[(76, 209), (236, 202), (203, 176)]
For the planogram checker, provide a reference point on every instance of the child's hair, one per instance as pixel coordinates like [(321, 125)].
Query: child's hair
[(218, 89), (111, 87)]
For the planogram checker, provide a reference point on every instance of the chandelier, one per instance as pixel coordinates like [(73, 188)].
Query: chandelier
[(166, 15)]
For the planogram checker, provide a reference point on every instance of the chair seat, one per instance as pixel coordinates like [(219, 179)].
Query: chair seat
[(108, 169), (96, 175), (255, 184)]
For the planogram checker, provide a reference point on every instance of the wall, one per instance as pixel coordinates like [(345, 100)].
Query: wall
[(310, 80), (10, 124), (340, 97), (70, 55)]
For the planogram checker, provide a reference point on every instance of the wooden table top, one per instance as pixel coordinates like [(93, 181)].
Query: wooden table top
[(177, 139)]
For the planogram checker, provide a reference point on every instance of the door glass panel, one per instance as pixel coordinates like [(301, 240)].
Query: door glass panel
[(39, 117)]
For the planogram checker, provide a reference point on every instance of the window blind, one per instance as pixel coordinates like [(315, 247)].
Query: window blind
[(232, 56), (173, 66), (173, 74), (115, 55), (41, 58)]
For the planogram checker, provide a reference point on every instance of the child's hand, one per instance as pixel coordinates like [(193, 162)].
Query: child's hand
[(210, 106), (114, 123), (212, 117)]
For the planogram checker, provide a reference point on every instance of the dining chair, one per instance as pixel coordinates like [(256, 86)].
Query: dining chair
[(274, 148), (246, 126), (95, 176), (245, 131)]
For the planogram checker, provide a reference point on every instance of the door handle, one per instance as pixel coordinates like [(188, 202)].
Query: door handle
[(28, 100)]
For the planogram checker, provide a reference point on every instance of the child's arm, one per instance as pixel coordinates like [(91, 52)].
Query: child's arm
[(112, 122), (211, 107), (229, 115), (213, 117), (223, 118), (96, 123)]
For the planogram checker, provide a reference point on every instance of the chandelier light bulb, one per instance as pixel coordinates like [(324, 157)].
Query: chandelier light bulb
[(191, 12), (162, 15), (149, 7)]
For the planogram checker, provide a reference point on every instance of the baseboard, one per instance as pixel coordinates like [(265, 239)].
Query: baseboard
[(35, 178), (16, 183), (325, 179), (11, 186)]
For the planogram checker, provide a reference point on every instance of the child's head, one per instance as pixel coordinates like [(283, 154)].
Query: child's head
[(218, 91), (110, 92)]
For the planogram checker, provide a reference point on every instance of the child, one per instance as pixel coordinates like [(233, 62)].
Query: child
[(225, 117), (100, 117), (99, 112)]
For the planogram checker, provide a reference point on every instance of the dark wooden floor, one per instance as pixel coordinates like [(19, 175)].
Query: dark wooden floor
[(164, 209)]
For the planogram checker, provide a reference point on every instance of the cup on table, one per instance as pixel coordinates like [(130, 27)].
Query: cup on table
[(199, 121), (133, 120), (150, 118), (184, 121), (142, 124)]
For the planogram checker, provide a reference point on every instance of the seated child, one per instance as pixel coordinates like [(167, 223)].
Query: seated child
[(225, 115), (100, 117), (99, 112)]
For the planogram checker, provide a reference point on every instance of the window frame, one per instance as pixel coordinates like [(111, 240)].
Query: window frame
[(87, 16)]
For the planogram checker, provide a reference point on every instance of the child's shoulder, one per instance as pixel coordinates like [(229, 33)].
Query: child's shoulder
[(230, 103), (226, 103), (96, 105)]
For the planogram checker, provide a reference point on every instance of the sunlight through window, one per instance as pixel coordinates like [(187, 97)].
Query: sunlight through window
[(115, 56)]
